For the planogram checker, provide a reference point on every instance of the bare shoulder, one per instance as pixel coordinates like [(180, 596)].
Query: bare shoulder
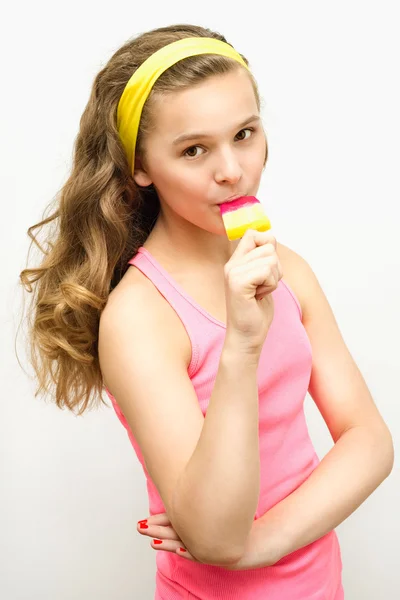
[(293, 266), (287, 254), (301, 278), (137, 305)]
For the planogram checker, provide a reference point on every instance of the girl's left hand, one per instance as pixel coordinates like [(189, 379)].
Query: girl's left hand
[(259, 550), (164, 535)]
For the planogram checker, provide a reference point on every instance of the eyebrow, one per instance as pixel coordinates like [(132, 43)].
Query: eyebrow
[(191, 136)]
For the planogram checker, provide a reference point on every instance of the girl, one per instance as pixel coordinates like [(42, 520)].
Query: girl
[(204, 350)]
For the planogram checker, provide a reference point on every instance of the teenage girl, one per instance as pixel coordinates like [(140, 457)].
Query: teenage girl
[(205, 346)]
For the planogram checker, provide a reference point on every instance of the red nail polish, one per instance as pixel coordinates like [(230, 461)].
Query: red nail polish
[(143, 526), (157, 541), (182, 549)]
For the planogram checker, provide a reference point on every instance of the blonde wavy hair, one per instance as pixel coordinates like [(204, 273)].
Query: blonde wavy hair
[(99, 219)]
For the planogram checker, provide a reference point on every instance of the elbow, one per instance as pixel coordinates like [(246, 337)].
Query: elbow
[(389, 455), (384, 442), (383, 448), (209, 550), (204, 547), (216, 555)]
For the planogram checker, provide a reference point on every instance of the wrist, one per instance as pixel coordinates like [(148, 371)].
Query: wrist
[(237, 349)]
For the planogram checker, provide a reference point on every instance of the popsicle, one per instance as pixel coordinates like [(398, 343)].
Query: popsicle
[(241, 214)]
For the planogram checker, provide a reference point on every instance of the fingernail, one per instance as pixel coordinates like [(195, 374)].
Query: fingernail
[(157, 541), (182, 549), (143, 524)]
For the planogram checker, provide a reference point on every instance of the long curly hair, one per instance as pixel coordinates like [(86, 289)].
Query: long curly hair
[(97, 222)]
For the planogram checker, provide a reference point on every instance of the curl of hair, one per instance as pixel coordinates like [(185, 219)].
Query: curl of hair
[(100, 219)]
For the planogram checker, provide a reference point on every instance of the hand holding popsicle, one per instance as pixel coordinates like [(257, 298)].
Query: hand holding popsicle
[(251, 274)]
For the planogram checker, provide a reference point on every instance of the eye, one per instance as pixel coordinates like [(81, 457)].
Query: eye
[(247, 129), (186, 152)]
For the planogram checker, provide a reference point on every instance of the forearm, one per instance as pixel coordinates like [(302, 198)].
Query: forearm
[(216, 497), (360, 460)]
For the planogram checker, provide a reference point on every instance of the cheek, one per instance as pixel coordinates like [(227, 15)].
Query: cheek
[(183, 189), (188, 180), (170, 180), (255, 163)]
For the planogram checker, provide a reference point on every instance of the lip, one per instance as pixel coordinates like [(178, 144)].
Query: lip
[(230, 198)]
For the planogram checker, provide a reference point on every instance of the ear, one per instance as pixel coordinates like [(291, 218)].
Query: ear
[(266, 152), (141, 177)]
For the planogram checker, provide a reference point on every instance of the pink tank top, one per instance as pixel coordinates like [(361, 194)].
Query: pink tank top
[(286, 452)]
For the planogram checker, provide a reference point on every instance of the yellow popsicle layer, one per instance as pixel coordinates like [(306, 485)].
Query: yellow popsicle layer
[(238, 221)]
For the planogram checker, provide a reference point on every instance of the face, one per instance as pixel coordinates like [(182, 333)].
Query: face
[(222, 154)]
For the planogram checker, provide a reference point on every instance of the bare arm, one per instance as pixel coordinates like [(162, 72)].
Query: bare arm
[(205, 469), (216, 495)]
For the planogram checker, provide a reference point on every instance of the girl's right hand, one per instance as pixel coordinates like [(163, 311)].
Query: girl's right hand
[(251, 274)]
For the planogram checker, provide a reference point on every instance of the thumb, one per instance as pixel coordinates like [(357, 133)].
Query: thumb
[(250, 240)]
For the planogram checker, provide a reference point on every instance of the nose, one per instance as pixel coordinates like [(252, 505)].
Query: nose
[(228, 167)]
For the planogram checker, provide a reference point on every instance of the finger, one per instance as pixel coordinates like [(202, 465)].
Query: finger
[(277, 274), (172, 546), (267, 249), (159, 531), (184, 552), (158, 519), (261, 271), (251, 240)]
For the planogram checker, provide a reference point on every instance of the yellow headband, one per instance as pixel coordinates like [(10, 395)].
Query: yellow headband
[(140, 84)]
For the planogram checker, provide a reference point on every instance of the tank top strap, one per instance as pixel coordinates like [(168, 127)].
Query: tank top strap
[(195, 320)]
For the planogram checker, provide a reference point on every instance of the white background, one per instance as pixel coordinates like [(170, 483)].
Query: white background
[(71, 488)]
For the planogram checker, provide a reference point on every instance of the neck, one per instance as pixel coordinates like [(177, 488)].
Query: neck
[(187, 244)]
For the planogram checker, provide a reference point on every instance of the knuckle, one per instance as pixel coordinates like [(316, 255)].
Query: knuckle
[(231, 278), (269, 272), (272, 261), (248, 233), (227, 268), (234, 284)]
